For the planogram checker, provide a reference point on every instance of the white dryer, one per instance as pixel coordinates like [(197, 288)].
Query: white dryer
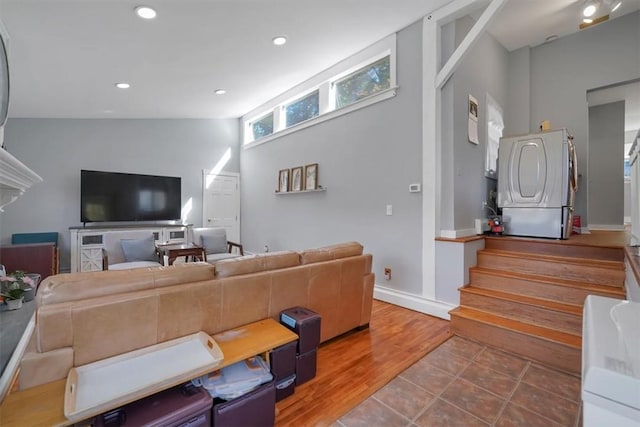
[(537, 180)]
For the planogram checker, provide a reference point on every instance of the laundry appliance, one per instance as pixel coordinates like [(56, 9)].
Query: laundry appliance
[(537, 181)]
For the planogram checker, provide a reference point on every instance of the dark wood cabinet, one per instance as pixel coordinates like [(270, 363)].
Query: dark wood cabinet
[(33, 258)]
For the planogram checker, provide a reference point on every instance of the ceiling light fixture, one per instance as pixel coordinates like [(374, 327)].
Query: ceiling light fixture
[(589, 10), (220, 91), (145, 12), (123, 85), (279, 40), (616, 5)]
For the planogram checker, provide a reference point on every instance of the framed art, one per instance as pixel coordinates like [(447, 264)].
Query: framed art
[(283, 181), (311, 177), (296, 179)]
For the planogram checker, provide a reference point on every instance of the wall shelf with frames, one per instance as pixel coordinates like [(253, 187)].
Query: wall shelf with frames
[(317, 190)]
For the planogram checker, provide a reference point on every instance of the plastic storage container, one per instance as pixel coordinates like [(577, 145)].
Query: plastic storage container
[(237, 379)]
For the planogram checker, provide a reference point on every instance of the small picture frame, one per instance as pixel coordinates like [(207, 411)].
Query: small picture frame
[(311, 176), (283, 181), (297, 179)]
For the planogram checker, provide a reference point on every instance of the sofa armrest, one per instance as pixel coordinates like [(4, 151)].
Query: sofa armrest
[(231, 245)]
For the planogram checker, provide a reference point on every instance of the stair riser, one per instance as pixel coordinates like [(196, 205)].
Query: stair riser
[(534, 288), (549, 248), (552, 354), (560, 321), (581, 272)]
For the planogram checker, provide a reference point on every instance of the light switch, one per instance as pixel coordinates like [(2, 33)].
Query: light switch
[(389, 209)]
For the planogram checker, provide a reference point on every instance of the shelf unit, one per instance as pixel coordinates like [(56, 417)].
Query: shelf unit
[(317, 190)]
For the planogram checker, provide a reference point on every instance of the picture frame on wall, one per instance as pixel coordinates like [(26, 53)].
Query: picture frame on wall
[(296, 179), (311, 176), (283, 181)]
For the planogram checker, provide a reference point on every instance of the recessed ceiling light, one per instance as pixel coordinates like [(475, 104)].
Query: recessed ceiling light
[(145, 12), (220, 91), (587, 21), (279, 40), (589, 10), (123, 85)]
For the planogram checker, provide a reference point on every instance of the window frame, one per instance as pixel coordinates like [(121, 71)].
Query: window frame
[(324, 84)]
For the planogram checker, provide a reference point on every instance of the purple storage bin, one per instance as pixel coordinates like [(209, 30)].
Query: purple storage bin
[(306, 364), (306, 324), (283, 361), (254, 409), (180, 406)]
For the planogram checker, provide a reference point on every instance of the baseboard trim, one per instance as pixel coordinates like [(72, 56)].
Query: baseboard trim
[(413, 302), (456, 234), (606, 227)]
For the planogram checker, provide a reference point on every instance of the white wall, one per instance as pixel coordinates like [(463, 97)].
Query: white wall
[(57, 149), (606, 155), (562, 71), (367, 159)]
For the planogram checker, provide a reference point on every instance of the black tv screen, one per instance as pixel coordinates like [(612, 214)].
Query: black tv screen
[(113, 196)]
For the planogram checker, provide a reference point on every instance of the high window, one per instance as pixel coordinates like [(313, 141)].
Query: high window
[(358, 81), (363, 83), (303, 109), (262, 127)]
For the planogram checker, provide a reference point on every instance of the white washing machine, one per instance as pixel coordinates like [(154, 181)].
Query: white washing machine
[(537, 181), (610, 363)]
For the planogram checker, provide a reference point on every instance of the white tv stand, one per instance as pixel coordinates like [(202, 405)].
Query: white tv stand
[(87, 242)]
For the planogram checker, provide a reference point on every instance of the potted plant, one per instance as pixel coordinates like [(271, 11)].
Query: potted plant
[(13, 298), (15, 288)]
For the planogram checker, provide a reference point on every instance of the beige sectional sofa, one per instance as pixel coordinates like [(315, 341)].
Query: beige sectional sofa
[(85, 317)]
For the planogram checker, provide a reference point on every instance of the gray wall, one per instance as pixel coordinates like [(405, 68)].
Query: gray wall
[(606, 155), (484, 70), (57, 149), (518, 93), (563, 71), (367, 159)]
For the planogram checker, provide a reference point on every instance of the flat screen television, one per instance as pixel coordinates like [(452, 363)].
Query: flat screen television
[(114, 196)]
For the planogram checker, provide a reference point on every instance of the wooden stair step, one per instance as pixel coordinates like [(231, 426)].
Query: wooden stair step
[(555, 247), (563, 290), (537, 311), (553, 348), (603, 272)]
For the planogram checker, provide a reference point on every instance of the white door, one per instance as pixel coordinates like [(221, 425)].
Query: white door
[(221, 203)]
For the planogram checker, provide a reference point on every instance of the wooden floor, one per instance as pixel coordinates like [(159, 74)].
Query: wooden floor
[(353, 367)]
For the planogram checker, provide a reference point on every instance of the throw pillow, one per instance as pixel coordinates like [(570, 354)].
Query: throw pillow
[(139, 249), (215, 243)]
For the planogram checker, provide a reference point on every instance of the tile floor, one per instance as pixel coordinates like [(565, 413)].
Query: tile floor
[(463, 383)]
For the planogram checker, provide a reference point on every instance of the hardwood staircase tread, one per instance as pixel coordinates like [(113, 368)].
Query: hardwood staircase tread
[(575, 309), (613, 265), (534, 331), (614, 290)]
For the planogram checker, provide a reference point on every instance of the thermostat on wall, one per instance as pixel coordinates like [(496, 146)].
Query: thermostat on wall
[(414, 188)]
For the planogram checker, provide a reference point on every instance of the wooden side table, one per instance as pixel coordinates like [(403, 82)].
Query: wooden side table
[(43, 405), (172, 252)]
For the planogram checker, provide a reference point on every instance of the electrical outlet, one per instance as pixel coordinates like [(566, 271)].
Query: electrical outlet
[(387, 273)]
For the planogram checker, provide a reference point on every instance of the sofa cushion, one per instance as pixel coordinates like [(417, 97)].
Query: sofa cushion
[(328, 253), (215, 242), (78, 286), (255, 263), (139, 249)]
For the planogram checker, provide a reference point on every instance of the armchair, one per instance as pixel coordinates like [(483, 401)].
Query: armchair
[(125, 250), (215, 244)]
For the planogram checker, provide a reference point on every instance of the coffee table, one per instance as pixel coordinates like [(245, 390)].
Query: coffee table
[(173, 251)]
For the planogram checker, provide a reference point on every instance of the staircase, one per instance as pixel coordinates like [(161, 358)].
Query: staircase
[(525, 296)]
